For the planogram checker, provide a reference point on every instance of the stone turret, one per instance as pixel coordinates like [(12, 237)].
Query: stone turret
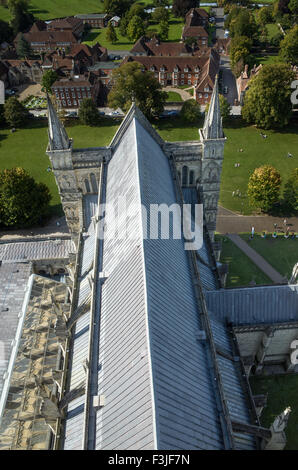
[(213, 140)]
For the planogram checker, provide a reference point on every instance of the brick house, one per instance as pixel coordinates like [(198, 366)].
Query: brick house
[(94, 20), (196, 20), (23, 71), (70, 92), (205, 85), (70, 24), (154, 47), (47, 41), (104, 72), (87, 56), (177, 71)]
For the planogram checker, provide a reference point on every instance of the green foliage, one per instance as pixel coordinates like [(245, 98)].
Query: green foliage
[(293, 6), (135, 29), (160, 14), (267, 101), (289, 47), (6, 32), (291, 191), (22, 19), (264, 187), (15, 113), (244, 24), (181, 7), (164, 30), (123, 24), (137, 10), (240, 50), (23, 202), (88, 112), (48, 78), (23, 48), (111, 34), (131, 83), (190, 111), (264, 15), (116, 7)]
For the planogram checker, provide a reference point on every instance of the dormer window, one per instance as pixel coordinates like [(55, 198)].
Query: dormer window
[(152, 68), (206, 88), (176, 69), (186, 69), (162, 69), (196, 69)]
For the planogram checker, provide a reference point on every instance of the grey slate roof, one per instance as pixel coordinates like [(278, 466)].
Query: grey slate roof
[(13, 280), (257, 305), (36, 250)]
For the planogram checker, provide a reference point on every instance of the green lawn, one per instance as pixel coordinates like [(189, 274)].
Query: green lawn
[(242, 270), (266, 59), (26, 148), (173, 96), (99, 35), (282, 392), (257, 151), (280, 252), (48, 9), (272, 30)]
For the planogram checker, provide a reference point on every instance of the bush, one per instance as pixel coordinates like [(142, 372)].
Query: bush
[(190, 111), (264, 187)]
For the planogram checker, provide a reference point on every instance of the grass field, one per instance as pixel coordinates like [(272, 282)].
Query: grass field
[(26, 148), (257, 151), (282, 392), (280, 252), (48, 9), (242, 270), (173, 96), (266, 59)]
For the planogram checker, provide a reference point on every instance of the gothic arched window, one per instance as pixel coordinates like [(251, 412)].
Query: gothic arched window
[(87, 186), (93, 183), (184, 175), (191, 177)]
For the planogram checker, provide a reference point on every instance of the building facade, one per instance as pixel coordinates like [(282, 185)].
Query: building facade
[(70, 92)]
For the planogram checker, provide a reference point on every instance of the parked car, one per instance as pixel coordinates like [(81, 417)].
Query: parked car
[(72, 114), (226, 90), (101, 113), (10, 92)]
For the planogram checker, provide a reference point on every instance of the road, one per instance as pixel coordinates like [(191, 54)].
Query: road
[(219, 22), (228, 79)]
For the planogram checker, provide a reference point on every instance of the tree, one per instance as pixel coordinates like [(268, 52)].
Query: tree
[(164, 30), (160, 14), (123, 24), (22, 19), (137, 10), (88, 112), (289, 47), (14, 112), (116, 7), (244, 24), (225, 108), (293, 6), (135, 28), (23, 201), (264, 187), (49, 77), (240, 50), (111, 34), (190, 111), (6, 32), (131, 83), (23, 47), (291, 191), (181, 7), (264, 16), (267, 101)]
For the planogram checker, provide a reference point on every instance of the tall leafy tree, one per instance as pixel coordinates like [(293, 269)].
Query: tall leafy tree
[(23, 48), (289, 47), (240, 51), (88, 112), (15, 113), (48, 78), (181, 7), (244, 24), (291, 191), (267, 101), (22, 19), (160, 14), (190, 111), (164, 30), (111, 34), (116, 7), (264, 16), (23, 201), (6, 32), (132, 84), (136, 28), (263, 188)]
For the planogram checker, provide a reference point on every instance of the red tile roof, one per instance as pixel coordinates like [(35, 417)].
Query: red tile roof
[(158, 48), (194, 31)]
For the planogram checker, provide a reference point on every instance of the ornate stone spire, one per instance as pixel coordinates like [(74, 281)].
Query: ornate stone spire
[(213, 123), (58, 137)]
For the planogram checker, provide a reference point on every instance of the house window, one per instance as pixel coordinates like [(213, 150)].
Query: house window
[(191, 177), (186, 69), (206, 95), (182, 82), (206, 88), (189, 82), (196, 75), (74, 102), (200, 95), (176, 69), (64, 103), (189, 75), (162, 82), (152, 68), (182, 75)]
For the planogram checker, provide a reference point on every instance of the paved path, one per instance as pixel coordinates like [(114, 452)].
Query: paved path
[(184, 95), (219, 21), (257, 259), (228, 80), (230, 222)]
